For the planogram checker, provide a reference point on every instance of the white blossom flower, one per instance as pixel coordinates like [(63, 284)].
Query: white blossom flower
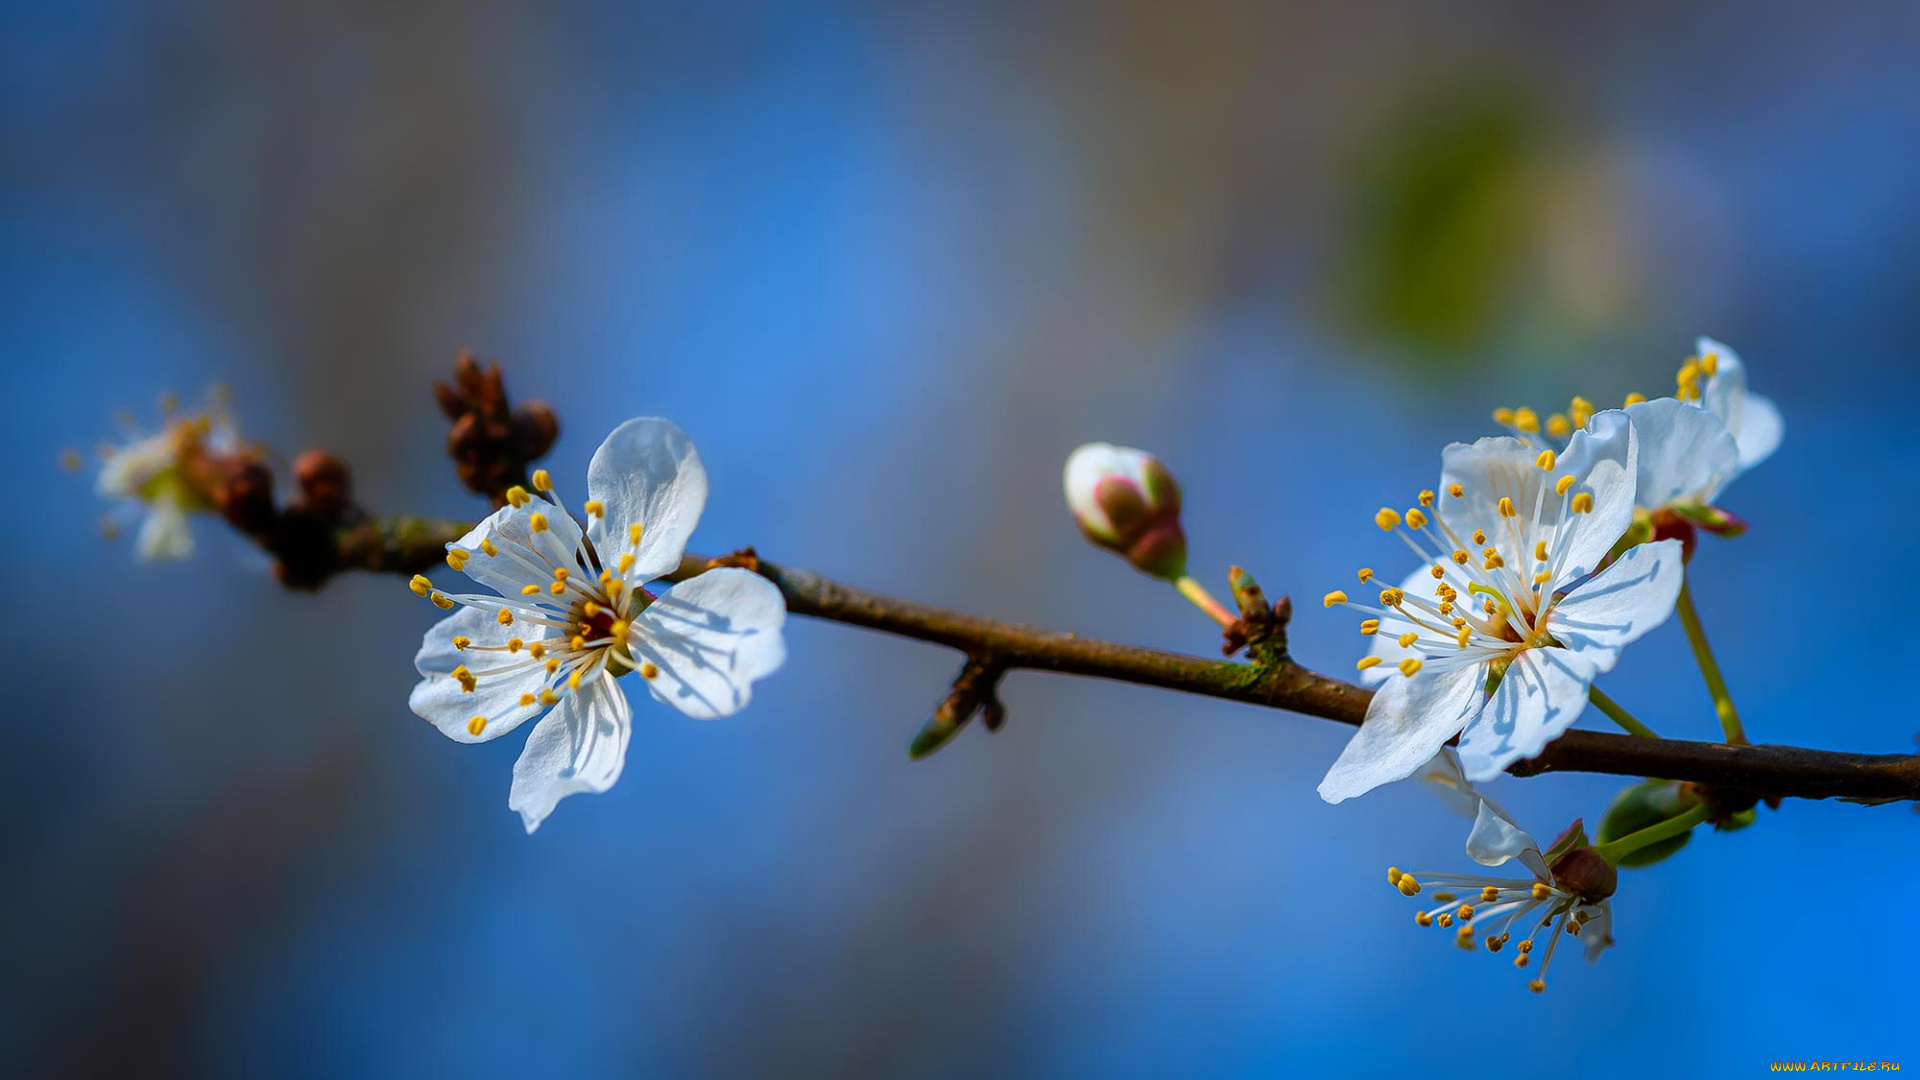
[(160, 478), (1573, 901), (1498, 636), (573, 614)]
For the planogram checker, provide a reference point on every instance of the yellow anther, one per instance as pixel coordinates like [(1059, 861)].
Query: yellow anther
[(1407, 639), (1422, 918), (634, 532), (1393, 875), (457, 558), (1392, 598), (476, 725), (1710, 363), (1366, 574), (1410, 666), (1546, 460), (1479, 537), (1370, 627), (1506, 506), (1635, 398), (1445, 920), (526, 700), (1538, 986), (1583, 503), (537, 522), (614, 587), (648, 671), (1459, 624), (1386, 519), (461, 641), (557, 588), (1465, 913), (552, 665), (548, 697), (590, 609), (1580, 411), (574, 680), (595, 508), (618, 631), (1561, 485), (514, 645), (1439, 572), (1492, 892), (1521, 960), (626, 562), (1464, 636), (1416, 519), (1493, 562), (542, 480), (505, 617), (579, 641), (420, 585), (606, 576), (1461, 557), (1494, 943), (1503, 417), (537, 650), (1444, 898), (1334, 597), (1558, 426), (1526, 420), (529, 590), (486, 545), (1366, 662), (561, 573), (1689, 372), (517, 496), (1540, 551), (1540, 892), (444, 603), (1426, 498), (1408, 885), (1543, 577), (1456, 491)]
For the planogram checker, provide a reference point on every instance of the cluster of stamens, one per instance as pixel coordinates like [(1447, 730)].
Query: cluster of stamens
[(1690, 380), (1560, 426), (1491, 594), (579, 612), (1468, 903)]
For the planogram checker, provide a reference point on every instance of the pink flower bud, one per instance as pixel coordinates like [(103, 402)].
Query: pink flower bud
[(1126, 501)]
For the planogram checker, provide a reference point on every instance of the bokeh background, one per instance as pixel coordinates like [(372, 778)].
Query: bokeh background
[(888, 264)]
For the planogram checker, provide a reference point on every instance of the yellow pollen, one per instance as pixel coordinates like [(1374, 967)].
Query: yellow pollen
[(517, 496), (1521, 960), (1392, 598), (1426, 498), (579, 641), (486, 545), (614, 587), (537, 522), (1583, 503), (1366, 574), (1580, 411), (505, 617), (537, 650), (553, 665), (1561, 485), (1479, 537), (461, 641), (1559, 426), (1710, 363), (1494, 562), (1386, 519), (1370, 627), (1422, 918), (1408, 885), (1526, 420), (574, 680), (1460, 557), (1635, 398), (1334, 597), (529, 590), (618, 631), (442, 602), (1416, 519), (1540, 892), (561, 573), (1439, 573), (1407, 639), (1543, 577), (514, 645), (1366, 662), (420, 585), (456, 558), (1540, 551), (542, 480), (1491, 893), (1465, 635), (526, 700), (1538, 986), (1503, 417), (476, 725), (1506, 507), (1457, 491), (1545, 460), (1445, 921), (557, 588), (626, 562), (590, 609), (1410, 666), (634, 532), (1393, 875), (1465, 913), (606, 576), (595, 508), (648, 671), (548, 697)]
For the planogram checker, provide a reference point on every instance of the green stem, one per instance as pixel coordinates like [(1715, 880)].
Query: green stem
[(1709, 667), (1204, 600), (1614, 850), (1619, 715)]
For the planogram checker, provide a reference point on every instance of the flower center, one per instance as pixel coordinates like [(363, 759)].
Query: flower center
[(1467, 903)]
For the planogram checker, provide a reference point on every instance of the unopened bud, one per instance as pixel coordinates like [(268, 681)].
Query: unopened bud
[(1721, 523), (324, 481), (1585, 874), (973, 695), (245, 498), (1642, 806), (1126, 501), (535, 429)]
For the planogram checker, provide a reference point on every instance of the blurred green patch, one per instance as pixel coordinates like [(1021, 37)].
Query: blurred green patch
[(1439, 231)]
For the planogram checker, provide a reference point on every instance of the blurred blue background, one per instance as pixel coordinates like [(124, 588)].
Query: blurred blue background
[(888, 264)]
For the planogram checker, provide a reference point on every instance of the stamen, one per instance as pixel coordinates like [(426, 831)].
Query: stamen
[(1370, 627), (595, 508), (461, 641), (1457, 491), (1460, 557), (1334, 597), (1506, 508), (517, 496), (1540, 551), (476, 725), (634, 532), (1366, 574), (1559, 426), (1545, 460), (1386, 519), (537, 522), (420, 585), (1392, 598), (1580, 411), (649, 671), (1415, 519), (1526, 420), (542, 480), (505, 617), (1503, 417), (1583, 503), (1410, 666), (1426, 498), (1439, 573), (456, 558), (537, 650), (526, 700), (442, 602), (548, 697), (1366, 662), (1407, 639), (1635, 398), (1560, 486), (486, 545), (626, 561), (529, 590)]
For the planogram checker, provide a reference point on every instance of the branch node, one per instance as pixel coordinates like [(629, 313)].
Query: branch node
[(973, 693)]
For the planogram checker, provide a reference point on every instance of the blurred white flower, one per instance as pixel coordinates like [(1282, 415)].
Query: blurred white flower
[(1519, 623), (160, 478), (1568, 892), (573, 614)]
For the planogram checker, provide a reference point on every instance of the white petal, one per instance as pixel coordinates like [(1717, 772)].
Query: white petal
[(517, 566), (1543, 693), (1597, 934), (165, 534), (438, 697), (1761, 429), (1496, 839), (1603, 457), (1443, 777), (1753, 420), (580, 746), (648, 473), (1618, 605), (1407, 723), (710, 638), (1487, 470), (1685, 453)]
